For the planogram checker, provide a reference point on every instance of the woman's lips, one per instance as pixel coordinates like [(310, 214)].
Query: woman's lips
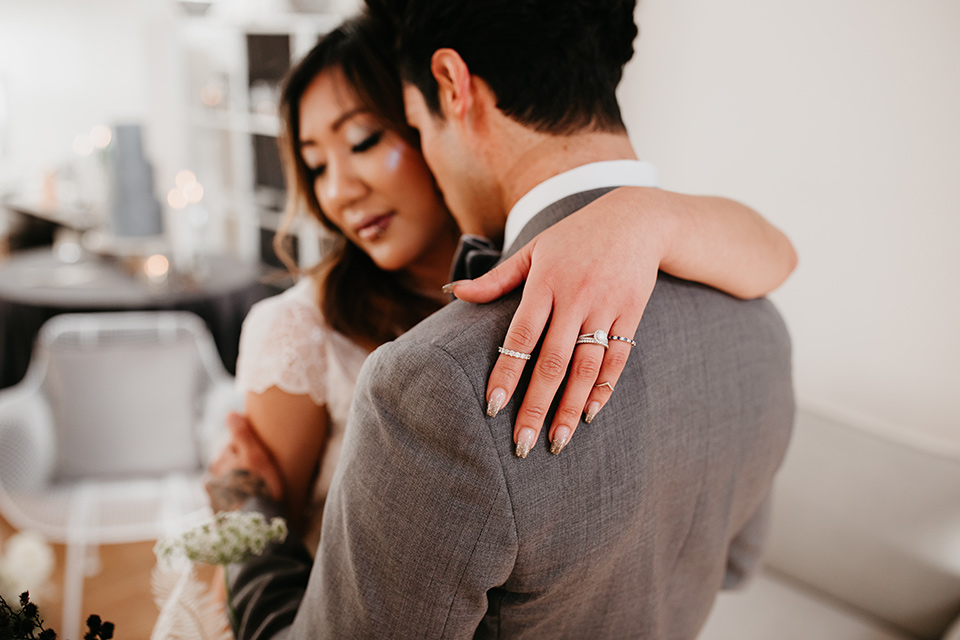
[(374, 227)]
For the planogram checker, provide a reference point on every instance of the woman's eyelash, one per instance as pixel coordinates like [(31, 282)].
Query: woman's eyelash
[(368, 142)]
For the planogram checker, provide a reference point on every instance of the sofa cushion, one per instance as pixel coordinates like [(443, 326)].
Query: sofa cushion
[(771, 607), (870, 521)]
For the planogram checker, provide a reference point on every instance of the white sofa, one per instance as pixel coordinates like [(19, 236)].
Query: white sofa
[(864, 543)]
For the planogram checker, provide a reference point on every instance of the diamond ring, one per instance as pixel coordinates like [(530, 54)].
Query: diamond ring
[(514, 354), (597, 337)]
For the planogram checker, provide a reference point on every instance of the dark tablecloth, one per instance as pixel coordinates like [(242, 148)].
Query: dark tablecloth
[(35, 286)]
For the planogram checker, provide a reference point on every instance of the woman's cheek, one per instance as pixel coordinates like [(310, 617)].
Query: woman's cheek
[(393, 159)]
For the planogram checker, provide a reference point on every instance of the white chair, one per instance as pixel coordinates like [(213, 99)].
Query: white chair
[(106, 439)]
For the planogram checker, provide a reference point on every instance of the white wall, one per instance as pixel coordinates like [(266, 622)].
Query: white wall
[(840, 121), (68, 66)]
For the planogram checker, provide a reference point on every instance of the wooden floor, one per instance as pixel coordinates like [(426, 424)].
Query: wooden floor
[(120, 592)]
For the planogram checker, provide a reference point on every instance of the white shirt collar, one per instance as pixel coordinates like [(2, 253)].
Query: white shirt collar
[(595, 175)]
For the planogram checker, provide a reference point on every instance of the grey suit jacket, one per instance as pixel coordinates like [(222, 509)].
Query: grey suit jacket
[(435, 529)]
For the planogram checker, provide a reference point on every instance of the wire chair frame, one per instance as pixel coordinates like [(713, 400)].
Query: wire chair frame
[(83, 508)]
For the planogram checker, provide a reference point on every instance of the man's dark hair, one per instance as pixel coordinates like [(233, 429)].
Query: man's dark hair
[(554, 65)]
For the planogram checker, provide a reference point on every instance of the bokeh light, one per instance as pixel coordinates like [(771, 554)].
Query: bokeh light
[(185, 178), (100, 136), (156, 266), (193, 192), (176, 199)]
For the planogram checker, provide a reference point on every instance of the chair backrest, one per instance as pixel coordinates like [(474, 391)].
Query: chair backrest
[(27, 447), (125, 391)]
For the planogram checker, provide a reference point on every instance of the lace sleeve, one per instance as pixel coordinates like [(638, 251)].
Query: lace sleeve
[(282, 344)]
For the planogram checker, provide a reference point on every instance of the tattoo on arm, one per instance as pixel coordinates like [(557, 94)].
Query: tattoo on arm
[(229, 491)]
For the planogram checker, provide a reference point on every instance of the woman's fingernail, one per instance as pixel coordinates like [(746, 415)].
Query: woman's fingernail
[(560, 439), (525, 441), (592, 410), (495, 403), (448, 288)]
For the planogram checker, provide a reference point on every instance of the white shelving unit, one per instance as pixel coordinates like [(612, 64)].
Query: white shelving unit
[(230, 68)]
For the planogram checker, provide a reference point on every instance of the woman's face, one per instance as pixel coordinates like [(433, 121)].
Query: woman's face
[(369, 182)]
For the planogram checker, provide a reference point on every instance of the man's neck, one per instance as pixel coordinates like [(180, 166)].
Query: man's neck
[(523, 167)]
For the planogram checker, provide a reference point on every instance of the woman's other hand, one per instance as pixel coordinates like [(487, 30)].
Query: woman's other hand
[(243, 469), (595, 270)]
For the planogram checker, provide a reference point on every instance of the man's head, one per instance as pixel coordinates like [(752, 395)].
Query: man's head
[(498, 89), (553, 65)]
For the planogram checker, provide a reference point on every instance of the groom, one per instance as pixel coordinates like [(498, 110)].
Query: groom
[(434, 527)]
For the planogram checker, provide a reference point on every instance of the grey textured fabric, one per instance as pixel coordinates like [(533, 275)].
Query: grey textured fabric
[(434, 529)]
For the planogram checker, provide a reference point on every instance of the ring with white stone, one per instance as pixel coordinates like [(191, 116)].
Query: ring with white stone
[(597, 337), (632, 343), (514, 354)]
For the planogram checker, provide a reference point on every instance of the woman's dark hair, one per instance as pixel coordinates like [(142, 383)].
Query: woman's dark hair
[(357, 298)]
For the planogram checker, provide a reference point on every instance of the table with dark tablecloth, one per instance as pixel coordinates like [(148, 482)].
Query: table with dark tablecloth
[(35, 286)]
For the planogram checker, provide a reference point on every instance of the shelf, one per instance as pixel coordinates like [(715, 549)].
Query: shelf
[(252, 123), (231, 63), (269, 22)]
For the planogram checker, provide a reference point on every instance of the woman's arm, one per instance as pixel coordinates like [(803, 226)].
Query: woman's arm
[(294, 431), (718, 242), (595, 270)]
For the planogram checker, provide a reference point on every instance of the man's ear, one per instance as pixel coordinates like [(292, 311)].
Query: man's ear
[(453, 82)]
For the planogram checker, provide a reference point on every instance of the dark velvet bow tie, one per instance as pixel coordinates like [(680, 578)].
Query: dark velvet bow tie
[(475, 256)]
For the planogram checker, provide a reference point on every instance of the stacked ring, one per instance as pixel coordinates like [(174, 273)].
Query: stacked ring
[(632, 343), (514, 354), (597, 337)]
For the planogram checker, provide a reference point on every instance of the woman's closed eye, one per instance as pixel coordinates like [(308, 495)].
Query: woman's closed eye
[(367, 143)]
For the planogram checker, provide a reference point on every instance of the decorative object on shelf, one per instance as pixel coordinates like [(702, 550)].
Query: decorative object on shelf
[(189, 230), (312, 6), (263, 97), (134, 209), (188, 609), (195, 7), (215, 92)]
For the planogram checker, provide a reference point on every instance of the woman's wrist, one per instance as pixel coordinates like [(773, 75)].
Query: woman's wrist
[(662, 224)]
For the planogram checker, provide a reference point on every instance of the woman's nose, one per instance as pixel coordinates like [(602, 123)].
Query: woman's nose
[(343, 185)]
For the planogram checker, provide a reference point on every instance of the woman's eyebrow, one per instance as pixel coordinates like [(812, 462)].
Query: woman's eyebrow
[(339, 122)]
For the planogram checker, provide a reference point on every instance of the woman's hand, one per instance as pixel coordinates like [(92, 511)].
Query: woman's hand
[(595, 270)]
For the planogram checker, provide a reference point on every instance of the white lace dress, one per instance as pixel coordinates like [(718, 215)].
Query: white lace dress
[(286, 343)]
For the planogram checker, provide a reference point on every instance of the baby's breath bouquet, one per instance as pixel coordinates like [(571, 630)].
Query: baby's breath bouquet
[(232, 536), (187, 607)]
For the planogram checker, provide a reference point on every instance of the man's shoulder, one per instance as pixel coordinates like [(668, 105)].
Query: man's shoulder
[(461, 335), (423, 395)]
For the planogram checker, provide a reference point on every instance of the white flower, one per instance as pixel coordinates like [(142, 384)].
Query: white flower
[(232, 536), (26, 564)]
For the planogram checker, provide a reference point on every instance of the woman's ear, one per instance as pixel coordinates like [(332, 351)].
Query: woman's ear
[(454, 88)]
